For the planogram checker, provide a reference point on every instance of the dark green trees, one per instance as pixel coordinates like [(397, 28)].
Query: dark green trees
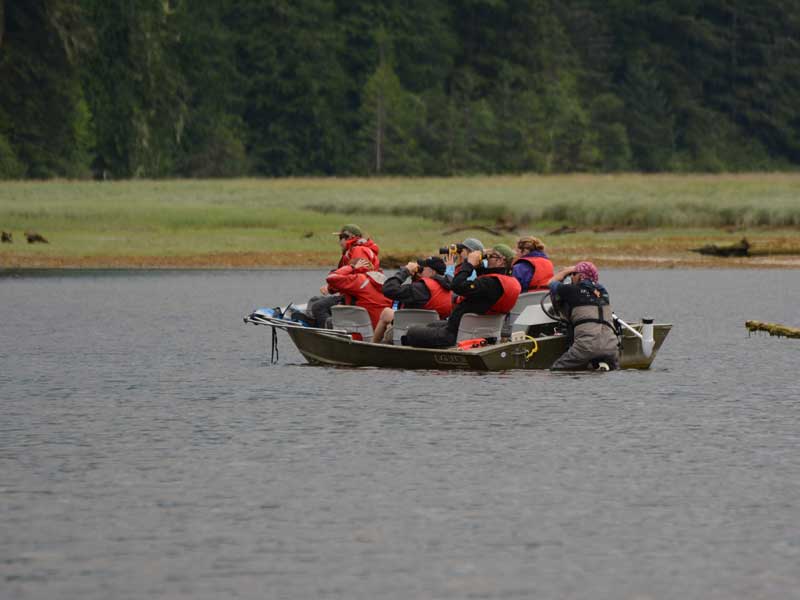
[(44, 121), (136, 89), (216, 88)]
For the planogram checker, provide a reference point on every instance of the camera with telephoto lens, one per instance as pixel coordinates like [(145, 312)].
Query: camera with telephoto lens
[(452, 249)]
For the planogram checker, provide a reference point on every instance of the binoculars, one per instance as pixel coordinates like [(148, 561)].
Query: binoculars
[(452, 249)]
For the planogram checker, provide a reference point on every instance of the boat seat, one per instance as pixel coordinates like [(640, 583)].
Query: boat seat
[(406, 317), (480, 326), (354, 320), (529, 303)]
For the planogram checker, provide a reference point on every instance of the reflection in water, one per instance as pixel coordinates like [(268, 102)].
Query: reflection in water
[(149, 450)]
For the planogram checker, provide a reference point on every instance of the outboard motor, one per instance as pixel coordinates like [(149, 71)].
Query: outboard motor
[(645, 337), (648, 342)]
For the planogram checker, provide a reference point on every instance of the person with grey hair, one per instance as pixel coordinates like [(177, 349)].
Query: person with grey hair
[(454, 263), (586, 307), (428, 289), (493, 291)]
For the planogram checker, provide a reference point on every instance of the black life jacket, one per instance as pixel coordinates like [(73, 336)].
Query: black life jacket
[(593, 294)]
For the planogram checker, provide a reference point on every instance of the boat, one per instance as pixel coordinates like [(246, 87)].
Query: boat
[(534, 339)]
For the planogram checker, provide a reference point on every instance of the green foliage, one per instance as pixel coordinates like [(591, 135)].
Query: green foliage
[(649, 118), (213, 133), (221, 88), (607, 118), (460, 132), (40, 92), (220, 153), (10, 167), (390, 115), (295, 91), (134, 87)]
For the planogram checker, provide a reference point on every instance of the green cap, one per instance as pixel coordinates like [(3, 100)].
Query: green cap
[(353, 230), (507, 252)]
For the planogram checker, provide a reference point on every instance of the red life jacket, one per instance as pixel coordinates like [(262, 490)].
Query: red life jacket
[(542, 273), (511, 291), (440, 297), (369, 296), (360, 248)]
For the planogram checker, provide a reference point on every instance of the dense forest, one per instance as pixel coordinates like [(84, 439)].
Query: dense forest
[(216, 88)]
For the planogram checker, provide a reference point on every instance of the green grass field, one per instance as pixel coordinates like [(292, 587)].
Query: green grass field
[(288, 218)]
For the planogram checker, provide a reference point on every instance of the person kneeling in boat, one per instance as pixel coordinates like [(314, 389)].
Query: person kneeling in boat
[(586, 306), (429, 289), (493, 291), (360, 284), (532, 268)]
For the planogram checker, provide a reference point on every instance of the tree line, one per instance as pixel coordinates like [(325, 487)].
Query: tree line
[(216, 88)]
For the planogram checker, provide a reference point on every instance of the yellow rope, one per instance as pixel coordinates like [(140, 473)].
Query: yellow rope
[(535, 348)]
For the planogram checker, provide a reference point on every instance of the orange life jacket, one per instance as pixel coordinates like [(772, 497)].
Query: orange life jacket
[(440, 297), (360, 248), (542, 272), (369, 296), (511, 291)]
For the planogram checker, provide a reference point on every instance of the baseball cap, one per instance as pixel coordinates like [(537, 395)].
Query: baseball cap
[(504, 250), (435, 263), (473, 244), (351, 229)]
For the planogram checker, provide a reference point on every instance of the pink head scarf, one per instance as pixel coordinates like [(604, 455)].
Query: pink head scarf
[(588, 270)]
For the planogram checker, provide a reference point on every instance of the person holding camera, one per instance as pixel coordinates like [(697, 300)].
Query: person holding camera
[(493, 291), (532, 268), (429, 288), (586, 306), (456, 254)]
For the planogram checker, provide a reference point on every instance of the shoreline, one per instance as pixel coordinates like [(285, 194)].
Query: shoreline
[(313, 261), (629, 220)]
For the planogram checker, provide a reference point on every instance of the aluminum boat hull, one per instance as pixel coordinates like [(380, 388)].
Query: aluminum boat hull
[(325, 348)]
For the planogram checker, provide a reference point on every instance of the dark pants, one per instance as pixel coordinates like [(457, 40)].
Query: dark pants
[(575, 360), (593, 342), (319, 307), (430, 335)]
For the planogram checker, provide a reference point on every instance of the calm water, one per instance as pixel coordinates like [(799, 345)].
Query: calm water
[(148, 450)]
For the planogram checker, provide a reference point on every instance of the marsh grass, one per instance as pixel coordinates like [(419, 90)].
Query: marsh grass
[(190, 217), (590, 201)]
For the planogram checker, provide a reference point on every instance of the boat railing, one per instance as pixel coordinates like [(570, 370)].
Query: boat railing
[(279, 323)]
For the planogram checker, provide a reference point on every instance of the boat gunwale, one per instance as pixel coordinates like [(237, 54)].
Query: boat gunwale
[(303, 337), (343, 336)]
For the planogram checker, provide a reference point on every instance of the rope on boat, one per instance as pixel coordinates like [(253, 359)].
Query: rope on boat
[(275, 355), (534, 349)]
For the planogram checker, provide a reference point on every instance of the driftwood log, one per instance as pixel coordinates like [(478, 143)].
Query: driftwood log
[(740, 248), (773, 329), (500, 228)]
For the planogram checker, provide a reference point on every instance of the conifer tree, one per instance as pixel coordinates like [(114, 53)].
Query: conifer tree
[(390, 115), (135, 90), (43, 118)]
